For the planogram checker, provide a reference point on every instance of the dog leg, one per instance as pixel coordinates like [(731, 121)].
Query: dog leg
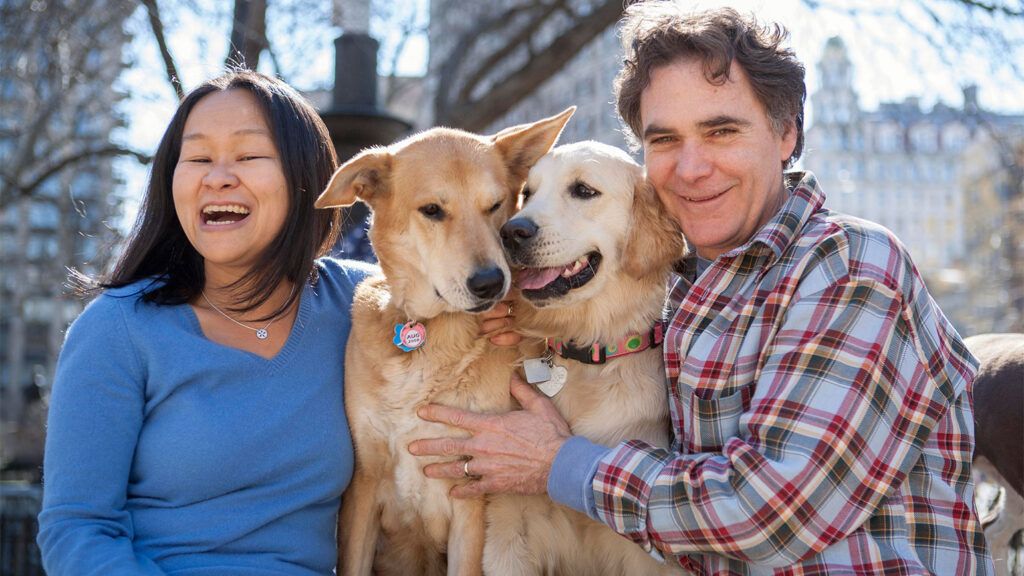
[(508, 551), (358, 526), (466, 538)]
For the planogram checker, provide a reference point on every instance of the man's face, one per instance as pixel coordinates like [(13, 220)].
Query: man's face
[(712, 155)]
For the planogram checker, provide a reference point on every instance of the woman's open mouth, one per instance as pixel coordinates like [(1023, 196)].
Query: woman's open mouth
[(542, 283), (223, 214)]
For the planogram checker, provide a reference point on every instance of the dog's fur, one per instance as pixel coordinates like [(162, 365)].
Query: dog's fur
[(394, 520), (999, 453), (621, 400)]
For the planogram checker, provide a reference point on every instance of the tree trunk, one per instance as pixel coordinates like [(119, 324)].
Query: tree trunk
[(248, 33)]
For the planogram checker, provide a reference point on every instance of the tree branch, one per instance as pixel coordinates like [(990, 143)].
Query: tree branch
[(104, 149), (476, 115), (248, 34), (158, 32)]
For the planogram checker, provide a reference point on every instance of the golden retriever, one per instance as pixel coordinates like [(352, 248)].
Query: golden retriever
[(438, 199), (596, 249)]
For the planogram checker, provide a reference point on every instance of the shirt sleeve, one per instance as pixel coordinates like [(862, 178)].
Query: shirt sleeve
[(839, 415), (572, 473), (93, 426)]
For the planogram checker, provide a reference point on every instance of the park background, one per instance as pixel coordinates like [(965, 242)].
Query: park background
[(914, 119)]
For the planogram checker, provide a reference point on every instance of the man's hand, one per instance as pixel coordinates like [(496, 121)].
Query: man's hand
[(509, 453), (498, 324)]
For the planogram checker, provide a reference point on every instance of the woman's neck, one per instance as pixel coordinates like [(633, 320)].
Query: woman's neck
[(218, 289)]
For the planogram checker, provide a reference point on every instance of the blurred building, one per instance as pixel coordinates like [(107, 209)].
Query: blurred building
[(64, 222), (921, 174), (994, 233)]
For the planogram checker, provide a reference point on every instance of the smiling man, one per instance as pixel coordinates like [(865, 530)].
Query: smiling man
[(820, 400)]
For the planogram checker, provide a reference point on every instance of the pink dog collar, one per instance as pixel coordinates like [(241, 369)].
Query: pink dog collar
[(598, 353)]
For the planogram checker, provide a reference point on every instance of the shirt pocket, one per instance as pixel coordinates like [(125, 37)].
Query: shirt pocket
[(716, 419)]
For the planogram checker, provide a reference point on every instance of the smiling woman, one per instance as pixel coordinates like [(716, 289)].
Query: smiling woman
[(218, 307)]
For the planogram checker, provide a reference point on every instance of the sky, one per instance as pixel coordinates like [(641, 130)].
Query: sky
[(890, 62)]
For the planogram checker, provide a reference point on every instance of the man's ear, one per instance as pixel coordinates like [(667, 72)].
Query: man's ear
[(655, 240), (521, 146), (364, 177)]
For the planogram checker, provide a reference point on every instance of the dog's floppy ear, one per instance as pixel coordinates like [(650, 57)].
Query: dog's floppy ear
[(523, 145), (363, 176), (655, 240)]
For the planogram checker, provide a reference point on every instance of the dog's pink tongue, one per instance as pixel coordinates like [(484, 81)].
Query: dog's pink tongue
[(534, 278)]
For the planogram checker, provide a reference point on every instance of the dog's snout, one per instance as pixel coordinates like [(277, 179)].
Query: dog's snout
[(486, 283), (517, 231)]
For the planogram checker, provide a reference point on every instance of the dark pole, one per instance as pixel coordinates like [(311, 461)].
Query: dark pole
[(354, 120)]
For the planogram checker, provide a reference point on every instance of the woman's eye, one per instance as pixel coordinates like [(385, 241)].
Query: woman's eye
[(494, 208), (432, 211), (584, 192)]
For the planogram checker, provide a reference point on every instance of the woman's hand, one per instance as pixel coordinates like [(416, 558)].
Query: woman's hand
[(498, 324), (507, 453)]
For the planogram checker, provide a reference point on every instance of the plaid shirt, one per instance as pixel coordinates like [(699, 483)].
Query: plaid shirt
[(822, 412)]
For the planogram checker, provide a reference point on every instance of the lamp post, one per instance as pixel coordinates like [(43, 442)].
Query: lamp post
[(354, 119)]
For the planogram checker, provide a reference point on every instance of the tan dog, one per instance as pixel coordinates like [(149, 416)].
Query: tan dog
[(598, 249), (438, 199)]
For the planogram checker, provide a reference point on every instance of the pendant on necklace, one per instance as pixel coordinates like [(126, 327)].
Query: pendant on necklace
[(262, 333)]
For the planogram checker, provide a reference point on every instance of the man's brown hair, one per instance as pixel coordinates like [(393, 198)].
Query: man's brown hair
[(657, 33)]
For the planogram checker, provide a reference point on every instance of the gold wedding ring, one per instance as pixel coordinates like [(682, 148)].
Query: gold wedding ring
[(509, 309), (465, 469)]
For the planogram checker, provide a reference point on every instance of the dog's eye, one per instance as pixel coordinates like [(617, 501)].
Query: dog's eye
[(526, 194), (582, 191), (494, 208), (432, 211)]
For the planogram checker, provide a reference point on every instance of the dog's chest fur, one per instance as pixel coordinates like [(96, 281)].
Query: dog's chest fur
[(624, 399), (385, 386)]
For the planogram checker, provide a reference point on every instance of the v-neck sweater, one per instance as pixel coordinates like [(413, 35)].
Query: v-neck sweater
[(168, 453)]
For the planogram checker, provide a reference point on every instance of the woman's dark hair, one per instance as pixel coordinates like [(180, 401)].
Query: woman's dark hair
[(657, 33), (157, 246)]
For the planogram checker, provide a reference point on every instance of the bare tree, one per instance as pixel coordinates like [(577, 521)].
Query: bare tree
[(56, 113), (47, 66), (502, 55), (248, 33)]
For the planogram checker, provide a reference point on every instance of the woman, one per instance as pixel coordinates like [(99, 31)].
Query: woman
[(196, 424)]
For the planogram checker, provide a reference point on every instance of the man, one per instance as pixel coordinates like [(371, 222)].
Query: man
[(820, 400)]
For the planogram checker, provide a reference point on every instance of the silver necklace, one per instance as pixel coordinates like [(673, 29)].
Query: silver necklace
[(261, 333)]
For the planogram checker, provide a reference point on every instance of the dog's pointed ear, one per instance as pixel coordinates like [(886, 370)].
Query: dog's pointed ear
[(655, 240), (523, 145), (363, 177)]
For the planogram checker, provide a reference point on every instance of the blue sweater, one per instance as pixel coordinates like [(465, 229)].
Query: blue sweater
[(167, 453)]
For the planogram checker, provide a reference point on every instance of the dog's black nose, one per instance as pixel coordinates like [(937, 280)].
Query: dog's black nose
[(486, 283), (517, 232)]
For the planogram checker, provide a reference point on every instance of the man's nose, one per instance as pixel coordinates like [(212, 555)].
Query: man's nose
[(693, 162)]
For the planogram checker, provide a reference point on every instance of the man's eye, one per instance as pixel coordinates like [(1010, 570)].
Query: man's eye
[(584, 192), (494, 208), (432, 211)]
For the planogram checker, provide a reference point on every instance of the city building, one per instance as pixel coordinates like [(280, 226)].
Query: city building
[(923, 174)]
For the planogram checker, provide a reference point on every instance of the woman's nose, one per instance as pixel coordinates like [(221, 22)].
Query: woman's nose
[(221, 175)]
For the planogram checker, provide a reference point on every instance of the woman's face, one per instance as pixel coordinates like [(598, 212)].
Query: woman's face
[(229, 187)]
